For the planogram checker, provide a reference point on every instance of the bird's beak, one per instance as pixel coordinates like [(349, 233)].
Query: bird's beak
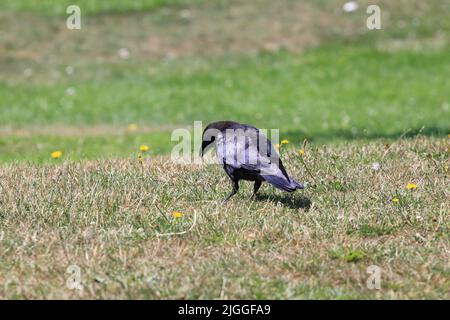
[(208, 137), (205, 144)]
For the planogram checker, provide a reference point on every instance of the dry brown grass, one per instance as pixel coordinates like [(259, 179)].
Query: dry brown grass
[(202, 29), (214, 28), (103, 216)]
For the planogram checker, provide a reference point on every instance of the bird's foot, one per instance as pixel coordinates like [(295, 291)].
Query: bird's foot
[(224, 201), (255, 196)]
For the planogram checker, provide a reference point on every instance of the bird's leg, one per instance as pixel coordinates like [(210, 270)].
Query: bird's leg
[(233, 192), (256, 188)]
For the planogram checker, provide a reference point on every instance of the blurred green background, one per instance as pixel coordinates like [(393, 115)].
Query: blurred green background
[(309, 68)]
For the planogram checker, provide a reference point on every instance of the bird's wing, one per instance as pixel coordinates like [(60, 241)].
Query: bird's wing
[(269, 152), (270, 162), (249, 149), (273, 170), (246, 148)]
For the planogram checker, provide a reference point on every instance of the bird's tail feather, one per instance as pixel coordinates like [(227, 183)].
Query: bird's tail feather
[(282, 183)]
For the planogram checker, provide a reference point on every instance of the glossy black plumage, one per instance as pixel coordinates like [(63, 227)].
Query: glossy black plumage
[(246, 154)]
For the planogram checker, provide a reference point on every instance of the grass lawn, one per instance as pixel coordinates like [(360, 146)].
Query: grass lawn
[(52, 7), (324, 95), (113, 220), (137, 70)]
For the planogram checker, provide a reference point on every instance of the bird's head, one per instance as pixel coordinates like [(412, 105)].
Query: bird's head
[(211, 132)]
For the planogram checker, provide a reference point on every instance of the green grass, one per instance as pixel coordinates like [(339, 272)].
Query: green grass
[(357, 88), (327, 94), (348, 255), (58, 7), (37, 148)]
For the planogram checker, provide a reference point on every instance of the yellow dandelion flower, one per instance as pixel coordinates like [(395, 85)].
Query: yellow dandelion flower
[(395, 200), (301, 152), (284, 141), (411, 186), (177, 214), (132, 127), (56, 154), (144, 148)]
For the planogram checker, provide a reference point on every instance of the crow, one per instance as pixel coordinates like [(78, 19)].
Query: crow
[(246, 154)]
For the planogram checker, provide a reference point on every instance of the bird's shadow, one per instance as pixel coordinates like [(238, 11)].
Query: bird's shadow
[(293, 202)]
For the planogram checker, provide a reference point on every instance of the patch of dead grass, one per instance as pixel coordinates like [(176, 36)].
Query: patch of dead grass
[(101, 216), (212, 28)]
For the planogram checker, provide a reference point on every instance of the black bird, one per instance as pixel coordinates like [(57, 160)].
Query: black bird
[(246, 154)]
